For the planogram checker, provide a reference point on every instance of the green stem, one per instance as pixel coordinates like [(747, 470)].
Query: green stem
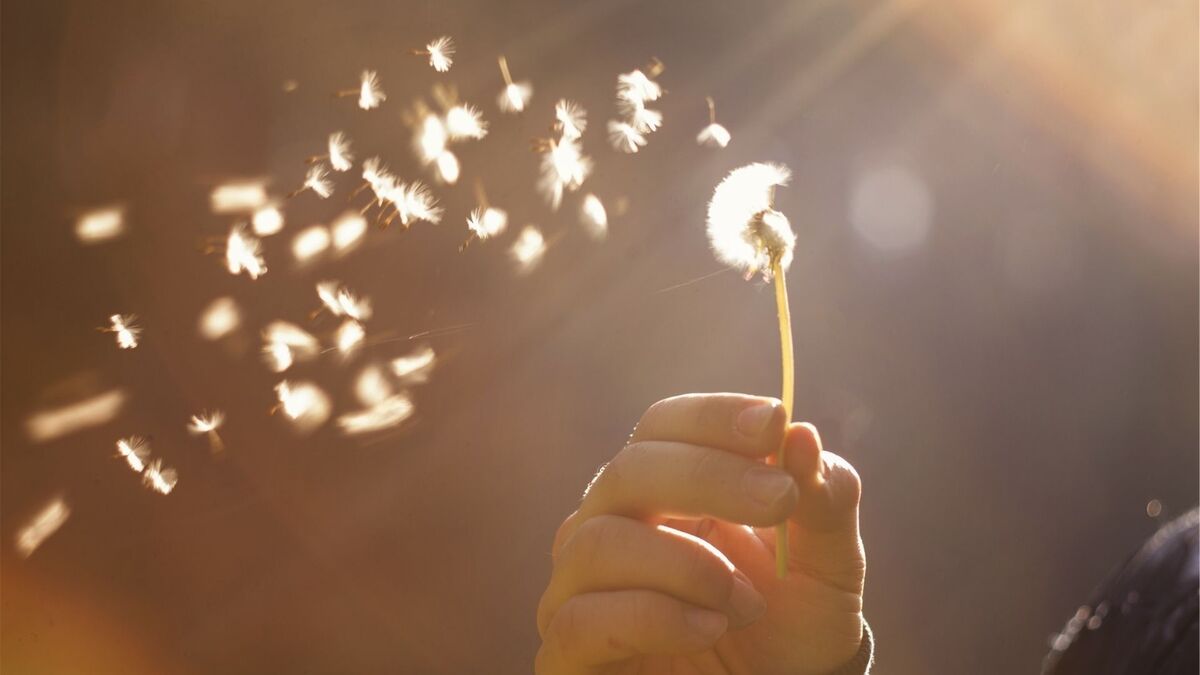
[(788, 398)]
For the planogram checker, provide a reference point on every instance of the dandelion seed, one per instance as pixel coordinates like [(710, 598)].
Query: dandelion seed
[(303, 403), (238, 197), (624, 137), (206, 422), (371, 387), (317, 180), (431, 138), (414, 368), (100, 225), (447, 167), (284, 342), (158, 479), (714, 135), (594, 216), (370, 94), (485, 222), (570, 119), (125, 329), (341, 301), (339, 152), (415, 201), (41, 526), (347, 231), (528, 249), (243, 252), (515, 95), (267, 221), (387, 413), (440, 53), (289, 86), (135, 451), (311, 242), (640, 117), (219, 319), (563, 167), (93, 411), (637, 87), (349, 336), (744, 230), (465, 121)]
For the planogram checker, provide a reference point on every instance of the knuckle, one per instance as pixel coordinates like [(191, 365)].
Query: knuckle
[(564, 631), (593, 537)]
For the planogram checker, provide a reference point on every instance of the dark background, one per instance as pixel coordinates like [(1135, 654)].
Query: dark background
[(1014, 386)]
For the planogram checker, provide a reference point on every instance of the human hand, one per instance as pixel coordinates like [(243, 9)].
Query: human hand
[(668, 565)]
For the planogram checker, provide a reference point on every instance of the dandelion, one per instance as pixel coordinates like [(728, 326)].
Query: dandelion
[(41, 526), (465, 121), (305, 404), (267, 220), (414, 368), (284, 343), (447, 167), (100, 225), (125, 329), (341, 301), (317, 180), (640, 117), (486, 222), (347, 231), (747, 233), (206, 423), (238, 196), (310, 242), (414, 201), (594, 216), (563, 167), (385, 414), (369, 93), (135, 451), (371, 386), (440, 53), (220, 318), (528, 249), (624, 137), (48, 425), (243, 252), (638, 87), (431, 138), (349, 336), (570, 119), (515, 95), (714, 135), (339, 152), (158, 479)]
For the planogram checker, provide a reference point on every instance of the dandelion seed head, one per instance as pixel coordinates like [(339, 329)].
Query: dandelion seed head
[(305, 404), (125, 329), (594, 216), (317, 180), (570, 119), (713, 136), (238, 196), (135, 451), (744, 230), (370, 94), (441, 53), (414, 368), (487, 222), (158, 479), (339, 152), (311, 242), (348, 230), (465, 121), (41, 526), (624, 137), (385, 414), (371, 386), (243, 252), (515, 97), (220, 318), (447, 167), (267, 220), (528, 249), (349, 336), (100, 225), (206, 422)]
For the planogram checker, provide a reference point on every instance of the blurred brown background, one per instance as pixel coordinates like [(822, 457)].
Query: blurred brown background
[(995, 298)]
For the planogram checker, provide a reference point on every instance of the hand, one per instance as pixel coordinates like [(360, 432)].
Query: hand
[(668, 565)]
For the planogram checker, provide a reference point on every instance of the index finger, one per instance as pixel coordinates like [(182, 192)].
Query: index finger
[(752, 426)]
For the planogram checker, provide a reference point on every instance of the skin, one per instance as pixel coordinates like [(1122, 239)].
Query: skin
[(668, 565)]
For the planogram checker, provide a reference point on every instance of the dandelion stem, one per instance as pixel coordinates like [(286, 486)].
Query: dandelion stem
[(788, 397)]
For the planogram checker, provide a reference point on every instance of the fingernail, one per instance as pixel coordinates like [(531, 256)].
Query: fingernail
[(704, 624), (767, 486), (753, 420), (747, 603)]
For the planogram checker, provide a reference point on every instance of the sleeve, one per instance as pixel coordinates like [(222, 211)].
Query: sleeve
[(864, 659)]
